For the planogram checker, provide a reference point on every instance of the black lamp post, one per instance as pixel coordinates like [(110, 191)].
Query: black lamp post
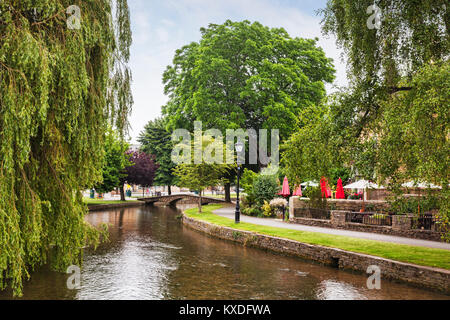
[(237, 216)]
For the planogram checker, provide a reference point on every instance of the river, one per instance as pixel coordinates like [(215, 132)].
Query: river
[(151, 255)]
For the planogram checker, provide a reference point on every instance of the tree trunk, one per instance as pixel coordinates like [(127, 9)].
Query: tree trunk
[(122, 193), (200, 201), (227, 192), (169, 190)]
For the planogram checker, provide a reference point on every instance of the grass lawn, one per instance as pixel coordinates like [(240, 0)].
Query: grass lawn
[(101, 201), (220, 196), (417, 255)]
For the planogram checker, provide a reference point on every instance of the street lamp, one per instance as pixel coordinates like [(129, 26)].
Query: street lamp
[(239, 147)]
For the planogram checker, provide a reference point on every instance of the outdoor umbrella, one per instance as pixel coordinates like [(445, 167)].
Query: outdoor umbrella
[(340, 190), (298, 191), (420, 185), (309, 184), (363, 184), (326, 191), (285, 192)]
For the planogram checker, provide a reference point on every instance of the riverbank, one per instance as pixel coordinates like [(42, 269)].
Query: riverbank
[(415, 265), (100, 205)]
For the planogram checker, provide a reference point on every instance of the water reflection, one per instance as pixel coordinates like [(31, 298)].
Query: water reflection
[(151, 255)]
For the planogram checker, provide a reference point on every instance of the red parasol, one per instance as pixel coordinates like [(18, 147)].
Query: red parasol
[(285, 192), (340, 190), (298, 192), (323, 187)]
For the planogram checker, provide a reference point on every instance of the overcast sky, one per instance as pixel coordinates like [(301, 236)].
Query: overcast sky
[(161, 26)]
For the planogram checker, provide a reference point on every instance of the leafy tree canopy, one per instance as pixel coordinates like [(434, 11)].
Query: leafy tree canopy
[(156, 140), (411, 34), (205, 174), (245, 75), (142, 169), (60, 89), (115, 161)]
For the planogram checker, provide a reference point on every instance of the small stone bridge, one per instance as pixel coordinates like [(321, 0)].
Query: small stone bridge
[(181, 198)]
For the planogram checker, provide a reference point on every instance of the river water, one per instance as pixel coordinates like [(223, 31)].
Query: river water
[(151, 255)]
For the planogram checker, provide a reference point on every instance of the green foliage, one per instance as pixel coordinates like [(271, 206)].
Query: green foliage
[(268, 211), (200, 176), (247, 201), (416, 128), (399, 252), (265, 187), (156, 140), (60, 90), (115, 161), (254, 211), (316, 200), (309, 153), (336, 173), (247, 179), (245, 75), (391, 124), (444, 215), (414, 141), (415, 205), (237, 235), (411, 34)]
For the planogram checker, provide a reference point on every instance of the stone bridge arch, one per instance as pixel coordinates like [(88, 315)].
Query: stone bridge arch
[(176, 198)]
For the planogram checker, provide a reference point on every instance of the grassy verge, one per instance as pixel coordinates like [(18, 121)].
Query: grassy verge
[(411, 254), (100, 201), (221, 196)]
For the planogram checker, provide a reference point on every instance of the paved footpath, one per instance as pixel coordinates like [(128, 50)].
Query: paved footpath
[(228, 212)]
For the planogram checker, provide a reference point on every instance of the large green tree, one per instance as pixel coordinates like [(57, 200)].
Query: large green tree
[(157, 140), (245, 75), (410, 35), (115, 162), (60, 89), (392, 121), (397, 104), (206, 173)]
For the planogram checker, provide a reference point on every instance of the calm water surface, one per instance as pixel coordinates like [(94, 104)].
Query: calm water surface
[(151, 255)]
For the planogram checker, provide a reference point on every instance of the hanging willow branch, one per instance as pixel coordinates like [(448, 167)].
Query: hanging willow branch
[(60, 89)]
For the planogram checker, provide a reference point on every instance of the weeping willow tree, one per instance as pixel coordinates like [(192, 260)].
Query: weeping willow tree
[(61, 86)]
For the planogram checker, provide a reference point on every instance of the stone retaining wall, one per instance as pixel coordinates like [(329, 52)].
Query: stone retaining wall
[(432, 278), (401, 224), (101, 207), (344, 204)]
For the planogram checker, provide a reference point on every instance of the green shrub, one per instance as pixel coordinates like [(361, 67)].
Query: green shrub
[(248, 201), (247, 180), (412, 205), (315, 198), (343, 173), (253, 211), (268, 211), (265, 187)]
